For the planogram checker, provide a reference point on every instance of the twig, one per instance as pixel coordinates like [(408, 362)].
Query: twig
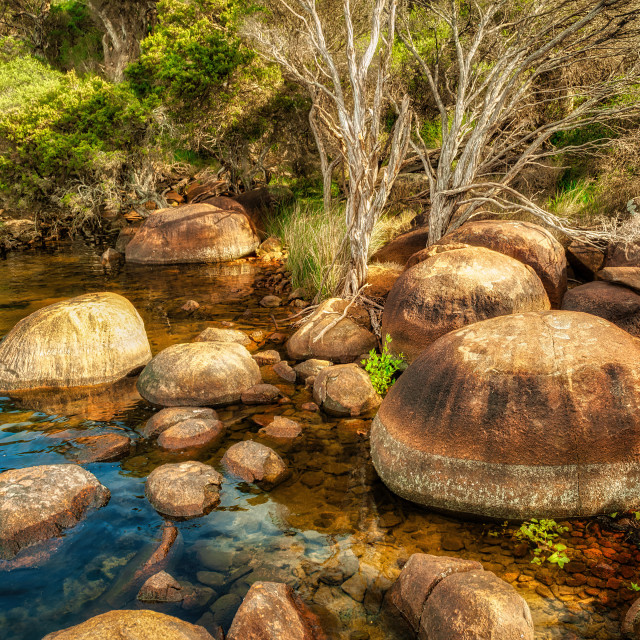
[(305, 310), (342, 316)]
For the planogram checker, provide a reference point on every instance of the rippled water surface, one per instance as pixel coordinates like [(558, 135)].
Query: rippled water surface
[(331, 518)]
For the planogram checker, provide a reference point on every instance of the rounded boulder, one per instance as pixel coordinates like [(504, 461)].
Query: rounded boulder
[(345, 390), (199, 374), (193, 233), (521, 416), (453, 289), (529, 243), (93, 339)]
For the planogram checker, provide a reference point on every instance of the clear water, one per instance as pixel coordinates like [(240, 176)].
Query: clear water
[(331, 518)]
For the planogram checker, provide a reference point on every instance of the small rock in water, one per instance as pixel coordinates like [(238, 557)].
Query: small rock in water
[(253, 462), (297, 294), (310, 406), (190, 306), (213, 334), (161, 587), (283, 370), (266, 357), (261, 394), (257, 336), (183, 490), (111, 258), (282, 429), (273, 611), (310, 368), (345, 390), (191, 433), (271, 301), (102, 448), (168, 417), (277, 337)]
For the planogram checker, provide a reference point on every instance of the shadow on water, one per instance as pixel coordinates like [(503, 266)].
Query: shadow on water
[(331, 518)]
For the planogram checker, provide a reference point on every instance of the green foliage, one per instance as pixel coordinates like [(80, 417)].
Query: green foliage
[(633, 586), (192, 52), (382, 367), (543, 534)]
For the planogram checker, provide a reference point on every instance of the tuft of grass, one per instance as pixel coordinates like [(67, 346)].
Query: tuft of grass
[(575, 200)]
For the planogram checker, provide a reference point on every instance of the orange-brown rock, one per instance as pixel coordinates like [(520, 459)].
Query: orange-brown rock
[(343, 342), (529, 243), (433, 250), (161, 587), (192, 233), (473, 605), (345, 390), (102, 448), (272, 611), (253, 462), (623, 254), (38, 503), (132, 625), (93, 339), (183, 490), (281, 428), (199, 374), (609, 301), (173, 415), (585, 259), (400, 249), (625, 276), (452, 289), (191, 434), (520, 416), (214, 334), (261, 394)]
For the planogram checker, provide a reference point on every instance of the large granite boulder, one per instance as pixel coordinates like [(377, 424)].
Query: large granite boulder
[(38, 503), (199, 374), (401, 248), (273, 611), (527, 242), (521, 416), (455, 288), (193, 233), (345, 390), (96, 338), (343, 342), (184, 489), (609, 301), (454, 599), (132, 625)]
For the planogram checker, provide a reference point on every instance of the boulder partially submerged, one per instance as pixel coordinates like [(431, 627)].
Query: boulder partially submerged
[(520, 416), (93, 339)]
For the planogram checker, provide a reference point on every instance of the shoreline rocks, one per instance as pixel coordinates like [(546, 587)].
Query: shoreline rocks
[(519, 416), (93, 339), (38, 503), (199, 374), (192, 233)]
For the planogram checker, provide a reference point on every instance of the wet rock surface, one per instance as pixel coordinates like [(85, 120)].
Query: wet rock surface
[(254, 462), (543, 378), (281, 428), (132, 625), (96, 338), (199, 374), (166, 418), (37, 503), (453, 289), (189, 434), (101, 448), (183, 490), (272, 611), (161, 587), (261, 394), (344, 390)]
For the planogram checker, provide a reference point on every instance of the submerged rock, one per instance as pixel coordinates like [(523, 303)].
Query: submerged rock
[(199, 374), (96, 338), (529, 243), (281, 428), (272, 611), (183, 490), (520, 416), (456, 288), (609, 301), (38, 503), (253, 462), (168, 417), (343, 342), (345, 390), (193, 233), (132, 625), (261, 394), (102, 448), (161, 587)]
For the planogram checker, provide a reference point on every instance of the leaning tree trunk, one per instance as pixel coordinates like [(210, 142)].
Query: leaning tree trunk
[(124, 24)]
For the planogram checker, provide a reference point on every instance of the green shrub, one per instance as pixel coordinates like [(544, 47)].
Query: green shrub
[(542, 534), (382, 367)]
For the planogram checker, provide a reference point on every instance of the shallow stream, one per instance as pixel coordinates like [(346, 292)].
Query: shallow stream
[(333, 517)]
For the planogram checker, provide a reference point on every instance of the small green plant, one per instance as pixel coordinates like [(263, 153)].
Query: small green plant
[(633, 586), (382, 367), (542, 534)]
